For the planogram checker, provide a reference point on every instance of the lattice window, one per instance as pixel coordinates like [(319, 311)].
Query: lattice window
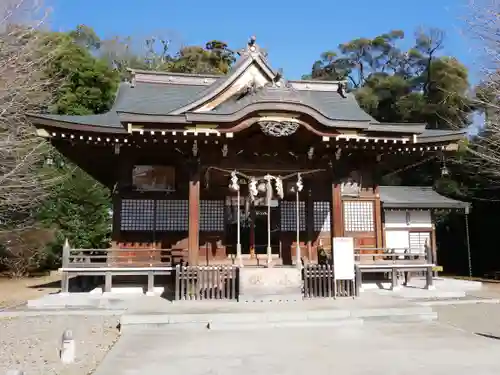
[(322, 217), (358, 216), (137, 215), (289, 216), (172, 215), (418, 241), (212, 216)]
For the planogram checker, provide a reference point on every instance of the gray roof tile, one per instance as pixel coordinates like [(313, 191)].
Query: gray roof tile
[(154, 98), (416, 197), (328, 103)]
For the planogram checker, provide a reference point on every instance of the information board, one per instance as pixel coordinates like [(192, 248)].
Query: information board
[(343, 258)]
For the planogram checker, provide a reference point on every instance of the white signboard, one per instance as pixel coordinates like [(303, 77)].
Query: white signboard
[(343, 258)]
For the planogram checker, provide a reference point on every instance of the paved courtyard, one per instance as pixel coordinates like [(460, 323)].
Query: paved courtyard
[(373, 348)]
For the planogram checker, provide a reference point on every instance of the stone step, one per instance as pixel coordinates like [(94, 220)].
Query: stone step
[(220, 326), (272, 319)]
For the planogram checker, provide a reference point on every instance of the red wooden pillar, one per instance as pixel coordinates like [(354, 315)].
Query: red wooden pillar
[(378, 220), (194, 217), (337, 212), (309, 223)]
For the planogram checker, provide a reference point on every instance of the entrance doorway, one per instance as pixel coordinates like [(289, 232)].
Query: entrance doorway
[(253, 226), (260, 228)]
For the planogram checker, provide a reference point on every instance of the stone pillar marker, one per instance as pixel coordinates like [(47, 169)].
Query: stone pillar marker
[(15, 372), (67, 352)]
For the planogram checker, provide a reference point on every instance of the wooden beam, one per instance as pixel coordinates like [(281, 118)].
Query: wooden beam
[(194, 216)]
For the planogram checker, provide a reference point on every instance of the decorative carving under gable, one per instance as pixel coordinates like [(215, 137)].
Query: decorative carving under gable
[(279, 128), (351, 187)]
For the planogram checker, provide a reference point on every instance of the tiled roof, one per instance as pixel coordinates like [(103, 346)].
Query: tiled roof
[(328, 103), (154, 98), (417, 197)]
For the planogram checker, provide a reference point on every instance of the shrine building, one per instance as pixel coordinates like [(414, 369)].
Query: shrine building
[(250, 168)]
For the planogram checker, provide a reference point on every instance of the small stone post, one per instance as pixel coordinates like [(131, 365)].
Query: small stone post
[(67, 352), (14, 372)]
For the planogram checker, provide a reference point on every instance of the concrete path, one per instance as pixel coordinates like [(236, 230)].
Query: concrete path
[(424, 348)]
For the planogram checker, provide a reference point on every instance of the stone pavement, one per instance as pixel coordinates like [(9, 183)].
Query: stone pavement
[(374, 348)]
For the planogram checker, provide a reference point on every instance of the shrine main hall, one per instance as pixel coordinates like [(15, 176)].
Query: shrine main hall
[(250, 168)]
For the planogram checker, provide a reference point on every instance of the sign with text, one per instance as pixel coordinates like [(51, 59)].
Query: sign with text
[(343, 258)]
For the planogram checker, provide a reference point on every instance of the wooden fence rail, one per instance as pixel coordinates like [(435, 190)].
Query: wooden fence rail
[(206, 282), (319, 282)]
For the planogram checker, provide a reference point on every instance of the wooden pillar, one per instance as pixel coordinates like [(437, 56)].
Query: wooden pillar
[(378, 220), (194, 216), (117, 212), (337, 214), (433, 244), (309, 222)]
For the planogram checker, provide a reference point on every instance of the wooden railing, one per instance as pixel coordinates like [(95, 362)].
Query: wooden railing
[(320, 282), (114, 257), (206, 282), (392, 255)]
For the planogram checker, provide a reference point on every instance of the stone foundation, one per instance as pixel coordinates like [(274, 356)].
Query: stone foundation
[(276, 284)]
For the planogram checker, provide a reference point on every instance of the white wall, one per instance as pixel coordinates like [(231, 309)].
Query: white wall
[(408, 219), (397, 234)]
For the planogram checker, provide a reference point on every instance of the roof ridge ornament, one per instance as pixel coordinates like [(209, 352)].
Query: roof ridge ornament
[(252, 48), (340, 90), (279, 81)]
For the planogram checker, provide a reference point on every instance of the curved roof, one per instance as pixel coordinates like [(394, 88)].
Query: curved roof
[(250, 87), (330, 104)]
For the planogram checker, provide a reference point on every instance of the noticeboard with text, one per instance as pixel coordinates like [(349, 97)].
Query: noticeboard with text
[(343, 258)]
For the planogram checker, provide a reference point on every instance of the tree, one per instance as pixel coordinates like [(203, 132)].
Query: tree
[(394, 85), (484, 150), (88, 84), (24, 87), (79, 208), (123, 53)]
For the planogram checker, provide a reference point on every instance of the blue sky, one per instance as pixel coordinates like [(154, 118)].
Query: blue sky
[(294, 32)]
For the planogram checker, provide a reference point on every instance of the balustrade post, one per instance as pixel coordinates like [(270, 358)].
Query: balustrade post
[(177, 282), (358, 279), (394, 276), (429, 280)]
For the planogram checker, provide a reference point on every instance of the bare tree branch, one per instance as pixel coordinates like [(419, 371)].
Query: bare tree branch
[(23, 88), (483, 151)]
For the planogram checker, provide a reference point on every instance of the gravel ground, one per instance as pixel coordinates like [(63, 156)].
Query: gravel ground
[(31, 344), (15, 292)]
